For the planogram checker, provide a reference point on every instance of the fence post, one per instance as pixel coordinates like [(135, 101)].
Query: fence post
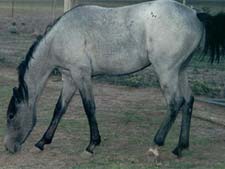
[(13, 4), (76, 2), (53, 6), (67, 5)]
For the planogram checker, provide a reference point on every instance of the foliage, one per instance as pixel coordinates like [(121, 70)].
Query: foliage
[(202, 88)]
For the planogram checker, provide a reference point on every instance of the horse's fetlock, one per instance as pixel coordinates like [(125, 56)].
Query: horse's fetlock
[(185, 145), (97, 141), (159, 141), (47, 139), (177, 151)]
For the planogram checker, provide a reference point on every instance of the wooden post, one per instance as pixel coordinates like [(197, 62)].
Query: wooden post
[(76, 2), (68, 5), (53, 6), (13, 4)]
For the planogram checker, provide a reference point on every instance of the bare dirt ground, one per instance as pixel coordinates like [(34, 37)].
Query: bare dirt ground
[(128, 119)]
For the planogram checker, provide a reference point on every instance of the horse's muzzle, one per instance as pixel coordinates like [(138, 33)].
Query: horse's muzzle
[(11, 146)]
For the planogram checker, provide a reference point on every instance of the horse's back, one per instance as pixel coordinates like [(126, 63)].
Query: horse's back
[(112, 38), (125, 39)]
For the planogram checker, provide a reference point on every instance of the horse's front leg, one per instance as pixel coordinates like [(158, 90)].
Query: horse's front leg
[(65, 97)]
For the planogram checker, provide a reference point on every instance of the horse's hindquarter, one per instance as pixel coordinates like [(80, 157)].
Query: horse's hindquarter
[(174, 33)]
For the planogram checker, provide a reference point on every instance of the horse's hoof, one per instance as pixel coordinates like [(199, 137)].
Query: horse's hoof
[(178, 152), (40, 146), (86, 155)]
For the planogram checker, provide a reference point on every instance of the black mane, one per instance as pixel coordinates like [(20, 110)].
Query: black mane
[(24, 65)]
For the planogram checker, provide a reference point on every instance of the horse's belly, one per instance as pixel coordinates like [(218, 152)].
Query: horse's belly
[(118, 63)]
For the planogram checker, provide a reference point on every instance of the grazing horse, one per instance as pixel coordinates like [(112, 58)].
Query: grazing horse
[(89, 40)]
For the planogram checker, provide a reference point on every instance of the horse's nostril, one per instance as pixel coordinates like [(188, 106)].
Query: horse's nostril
[(12, 148)]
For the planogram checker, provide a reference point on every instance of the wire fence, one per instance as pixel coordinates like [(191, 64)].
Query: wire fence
[(11, 8), (14, 8)]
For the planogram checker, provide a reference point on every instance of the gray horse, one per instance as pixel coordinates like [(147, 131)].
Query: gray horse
[(89, 40)]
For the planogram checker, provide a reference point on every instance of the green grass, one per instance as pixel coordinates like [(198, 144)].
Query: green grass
[(5, 93), (114, 165), (203, 62), (202, 88)]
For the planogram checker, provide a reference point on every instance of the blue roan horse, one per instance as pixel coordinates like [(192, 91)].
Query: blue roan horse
[(89, 40)]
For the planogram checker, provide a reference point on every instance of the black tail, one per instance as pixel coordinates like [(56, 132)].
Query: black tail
[(215, 35)]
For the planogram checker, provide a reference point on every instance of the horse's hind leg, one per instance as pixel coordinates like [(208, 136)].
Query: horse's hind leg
[(85, 88), (169, 82), (186, 116), (67, 93)]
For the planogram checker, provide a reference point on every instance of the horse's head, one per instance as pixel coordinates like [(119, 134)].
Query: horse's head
[(20, 121)]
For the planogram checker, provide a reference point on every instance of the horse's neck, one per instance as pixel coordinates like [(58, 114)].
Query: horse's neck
[(38, 72)]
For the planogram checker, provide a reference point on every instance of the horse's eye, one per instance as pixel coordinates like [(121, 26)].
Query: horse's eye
[(11, 116)]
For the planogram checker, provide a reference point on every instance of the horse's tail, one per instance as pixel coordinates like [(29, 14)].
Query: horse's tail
[(214, 35)]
